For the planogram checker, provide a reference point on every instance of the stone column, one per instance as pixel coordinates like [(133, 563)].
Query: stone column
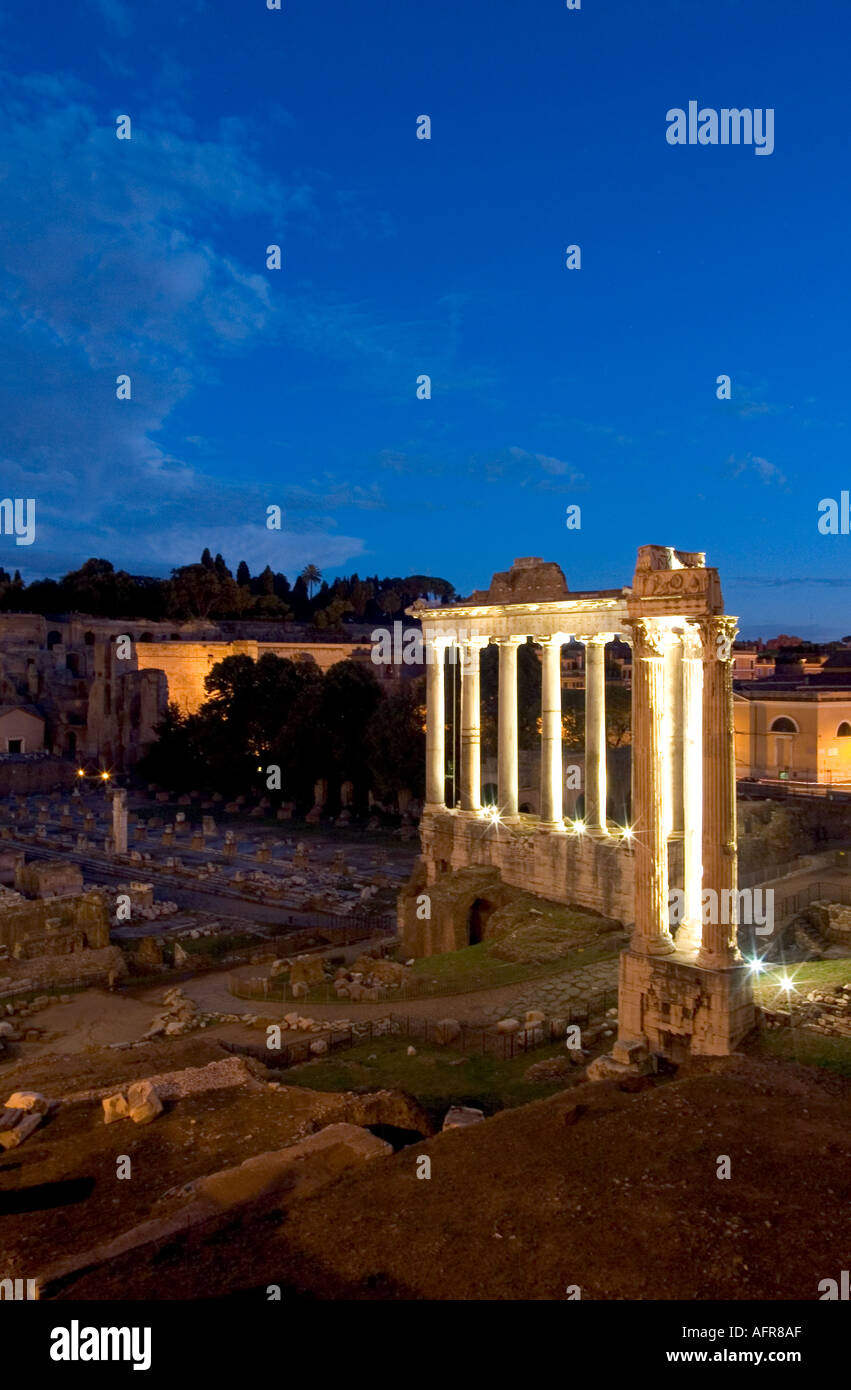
[(651, 935), (595, 734), (435, 727), (689, 934), (674, 737), (552, 775), (119, 820), (471, 734), (718, 949), (508, 771)]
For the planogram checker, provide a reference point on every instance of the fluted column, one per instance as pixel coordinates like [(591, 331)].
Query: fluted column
[(689, 934), (471, 733), (595, 734), (651, 935), (552, 776), (674, 737), (718, 945), (508, 772), (435, 727)]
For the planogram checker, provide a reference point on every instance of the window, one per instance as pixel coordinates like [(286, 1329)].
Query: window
[(783, 726), (14, 745), (844, 730)]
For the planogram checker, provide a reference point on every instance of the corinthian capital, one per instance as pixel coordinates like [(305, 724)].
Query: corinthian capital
[(649, 639), (717, 635)]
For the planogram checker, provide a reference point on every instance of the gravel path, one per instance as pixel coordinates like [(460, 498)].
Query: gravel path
[(553, 994)]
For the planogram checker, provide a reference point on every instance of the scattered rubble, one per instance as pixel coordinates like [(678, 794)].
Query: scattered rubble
[(22, 1115)]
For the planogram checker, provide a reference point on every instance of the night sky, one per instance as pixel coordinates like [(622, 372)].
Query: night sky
[(445, 257)]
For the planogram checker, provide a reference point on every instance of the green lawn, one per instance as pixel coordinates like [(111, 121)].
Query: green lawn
[(810, 1049), (438, 1076), (798, 1044), (770, 991), (475, 968)]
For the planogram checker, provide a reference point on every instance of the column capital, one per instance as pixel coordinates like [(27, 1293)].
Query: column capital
[(512, 641), (439, 640), (717, 635), (555, 639), (475, 643), (596, 639), (650, 638), (692, 641)]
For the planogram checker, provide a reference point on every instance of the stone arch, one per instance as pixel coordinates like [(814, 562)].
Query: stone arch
[(89, 638), (53, 639), (783, 725), (480, 912), (844, 730)]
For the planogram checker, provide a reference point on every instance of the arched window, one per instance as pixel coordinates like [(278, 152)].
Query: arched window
[(783, 725), (53, 638), (844, 730), (89, 639)]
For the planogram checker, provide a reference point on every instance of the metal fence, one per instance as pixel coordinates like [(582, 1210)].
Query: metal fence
[(833, 857), (794, 903), (470, 1039)]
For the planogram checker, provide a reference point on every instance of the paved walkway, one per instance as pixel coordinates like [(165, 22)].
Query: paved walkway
[(553, 994)]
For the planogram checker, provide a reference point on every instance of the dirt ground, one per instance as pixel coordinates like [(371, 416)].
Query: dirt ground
[(621, 1199)]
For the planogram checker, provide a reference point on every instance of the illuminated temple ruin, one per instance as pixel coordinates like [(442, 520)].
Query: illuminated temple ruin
[(681, 992)]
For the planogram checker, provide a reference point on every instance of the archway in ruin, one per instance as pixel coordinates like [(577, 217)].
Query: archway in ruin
[(480, 912)]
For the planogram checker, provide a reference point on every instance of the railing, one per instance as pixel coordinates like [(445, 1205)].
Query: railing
[(771, 788), (794, 903), (485, 1041), (806, 863), (97, 980)]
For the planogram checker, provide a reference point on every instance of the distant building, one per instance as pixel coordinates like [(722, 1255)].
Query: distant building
[(99, 699), (21, 729), (65, 688), (797, 734)]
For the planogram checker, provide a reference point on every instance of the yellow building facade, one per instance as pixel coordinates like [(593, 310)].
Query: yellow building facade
[(796, 735)]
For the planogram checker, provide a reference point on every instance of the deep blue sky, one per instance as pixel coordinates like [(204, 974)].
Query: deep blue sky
[(445, 257)]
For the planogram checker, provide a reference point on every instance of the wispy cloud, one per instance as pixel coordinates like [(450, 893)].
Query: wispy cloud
[(754, 464)]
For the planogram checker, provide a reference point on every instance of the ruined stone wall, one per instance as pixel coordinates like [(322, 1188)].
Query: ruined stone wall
[(186, 664), (565, 868), (449, 900), (464, 859), (680, 1009), (48, 878), (25, 776), (54, 926)]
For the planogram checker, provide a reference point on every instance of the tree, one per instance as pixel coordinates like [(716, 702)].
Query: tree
[(389, 602), (243, 574), (332, 616), (350, 695), (207, 559), (197, 592), (311, 576), (395, 742)]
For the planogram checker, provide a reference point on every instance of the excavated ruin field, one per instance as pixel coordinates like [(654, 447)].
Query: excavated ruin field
[(619, 1196)]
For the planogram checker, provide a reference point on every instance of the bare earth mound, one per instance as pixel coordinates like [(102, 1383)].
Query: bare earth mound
[(621, 1199)]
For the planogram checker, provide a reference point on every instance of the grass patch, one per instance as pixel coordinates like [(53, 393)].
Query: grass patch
[(805, 975), (484, 1081), (477, 967), (810, 1049)]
